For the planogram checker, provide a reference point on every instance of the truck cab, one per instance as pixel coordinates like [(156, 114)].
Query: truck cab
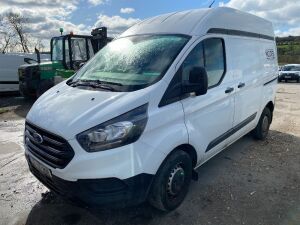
[(68, 53)]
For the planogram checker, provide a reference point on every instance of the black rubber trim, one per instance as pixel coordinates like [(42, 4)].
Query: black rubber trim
[(239, 33), (230, 132), (270, 81), (9, 82)]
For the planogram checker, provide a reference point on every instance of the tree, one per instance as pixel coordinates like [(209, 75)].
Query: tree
[(5, 36), (12, 26)]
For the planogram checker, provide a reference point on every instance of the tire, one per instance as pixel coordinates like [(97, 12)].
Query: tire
[(262, 129), (285, 81), (164, 194)]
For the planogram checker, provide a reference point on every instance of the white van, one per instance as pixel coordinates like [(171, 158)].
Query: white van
[(171, 92), (9, 64)]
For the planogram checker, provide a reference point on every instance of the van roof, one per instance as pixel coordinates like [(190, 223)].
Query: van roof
[(202, 21)]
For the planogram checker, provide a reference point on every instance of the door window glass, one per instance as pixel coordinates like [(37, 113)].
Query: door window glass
[(214, 60), (78, 46), (210, 55), (67, 53)]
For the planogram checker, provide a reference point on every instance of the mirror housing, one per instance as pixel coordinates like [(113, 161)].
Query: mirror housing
[(30, 61), (81, 65), (197, 83)]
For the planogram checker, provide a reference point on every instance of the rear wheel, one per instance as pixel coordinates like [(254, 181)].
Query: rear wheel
[(172, 181), (262, 129)]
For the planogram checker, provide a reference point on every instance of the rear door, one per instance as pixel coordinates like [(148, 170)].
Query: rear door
[(209, 117)]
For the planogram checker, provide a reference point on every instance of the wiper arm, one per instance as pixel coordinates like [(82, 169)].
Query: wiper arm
[(107, 82), (93, 84)]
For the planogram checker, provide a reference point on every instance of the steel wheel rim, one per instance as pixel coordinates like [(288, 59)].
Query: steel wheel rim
[(176, 181)]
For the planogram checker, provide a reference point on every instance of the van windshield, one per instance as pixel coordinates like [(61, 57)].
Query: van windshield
[(291, 68), (132, 63)]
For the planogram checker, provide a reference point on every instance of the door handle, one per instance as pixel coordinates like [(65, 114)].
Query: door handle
[(241, 85), (229, 90)]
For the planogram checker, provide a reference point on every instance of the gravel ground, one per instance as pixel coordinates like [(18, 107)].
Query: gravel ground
[(251, 182)]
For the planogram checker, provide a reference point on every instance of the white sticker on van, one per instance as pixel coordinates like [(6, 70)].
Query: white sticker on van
[(270, 54)]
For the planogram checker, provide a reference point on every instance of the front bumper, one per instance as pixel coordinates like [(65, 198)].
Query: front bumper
[(98, 192)]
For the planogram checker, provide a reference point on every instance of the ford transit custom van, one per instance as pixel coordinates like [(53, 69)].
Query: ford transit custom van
[(168, 94)]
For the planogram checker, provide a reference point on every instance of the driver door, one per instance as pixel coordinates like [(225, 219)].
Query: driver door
[(209, 117)]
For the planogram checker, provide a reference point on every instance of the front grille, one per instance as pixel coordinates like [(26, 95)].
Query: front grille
[(51, 149)]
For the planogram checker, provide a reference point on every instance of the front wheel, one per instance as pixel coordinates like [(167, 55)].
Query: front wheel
[(262, 129), (172, 181)]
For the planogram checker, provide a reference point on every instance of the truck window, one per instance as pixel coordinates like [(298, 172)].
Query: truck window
[(79, 50), (210, 55)]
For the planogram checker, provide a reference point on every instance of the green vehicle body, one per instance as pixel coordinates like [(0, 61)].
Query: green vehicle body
[(68, 54)]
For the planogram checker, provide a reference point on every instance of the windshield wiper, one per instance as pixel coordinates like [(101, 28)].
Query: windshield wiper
[(108, 82), (91, 83)]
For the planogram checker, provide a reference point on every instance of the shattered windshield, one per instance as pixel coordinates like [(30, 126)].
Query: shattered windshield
[(133, 61), (57, 49)]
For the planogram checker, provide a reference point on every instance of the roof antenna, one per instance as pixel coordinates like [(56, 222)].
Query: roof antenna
[(212, 4)]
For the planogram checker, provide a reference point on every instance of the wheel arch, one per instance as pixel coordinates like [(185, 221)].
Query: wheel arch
[(270, 105), (189, 149)]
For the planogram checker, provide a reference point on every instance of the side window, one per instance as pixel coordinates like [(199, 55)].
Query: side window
[(214, 60), (67, 53), (194, 59), (209, 54)]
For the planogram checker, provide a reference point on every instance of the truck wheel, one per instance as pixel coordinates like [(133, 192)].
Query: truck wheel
[(262, 129), (172, 181)]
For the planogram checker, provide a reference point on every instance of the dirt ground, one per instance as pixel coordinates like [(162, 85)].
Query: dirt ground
[(251, 182)]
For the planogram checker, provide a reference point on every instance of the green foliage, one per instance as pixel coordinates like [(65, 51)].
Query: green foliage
[(288, 51)]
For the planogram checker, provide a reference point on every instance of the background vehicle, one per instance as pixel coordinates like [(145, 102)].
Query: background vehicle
[(289, 72), (153, 105), (9, 63), (68, 53)]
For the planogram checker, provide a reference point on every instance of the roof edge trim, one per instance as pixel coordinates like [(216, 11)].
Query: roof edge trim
[(238, 33)]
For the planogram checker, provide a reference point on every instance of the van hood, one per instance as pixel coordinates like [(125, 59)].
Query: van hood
[(68, 111)]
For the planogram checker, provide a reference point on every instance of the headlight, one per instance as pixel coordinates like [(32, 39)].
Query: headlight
[(122, 130)]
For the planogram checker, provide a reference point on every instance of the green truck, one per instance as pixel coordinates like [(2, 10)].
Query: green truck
[(68, 53)]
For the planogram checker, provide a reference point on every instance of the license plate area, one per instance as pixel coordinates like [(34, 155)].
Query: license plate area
[(287, 76), (40, 168)]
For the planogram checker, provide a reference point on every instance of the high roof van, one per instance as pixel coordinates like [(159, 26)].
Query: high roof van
[(137, 120)]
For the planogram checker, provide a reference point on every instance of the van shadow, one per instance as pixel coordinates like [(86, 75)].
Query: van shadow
[(225, 183)]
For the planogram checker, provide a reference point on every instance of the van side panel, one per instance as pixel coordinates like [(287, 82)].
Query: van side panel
[(253, 63)]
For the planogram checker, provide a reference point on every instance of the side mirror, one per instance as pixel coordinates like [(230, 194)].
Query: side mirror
[(29, 60), (81, 65), (197, 83)]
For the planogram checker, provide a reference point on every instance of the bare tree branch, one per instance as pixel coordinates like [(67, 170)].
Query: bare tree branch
[(16, 24)]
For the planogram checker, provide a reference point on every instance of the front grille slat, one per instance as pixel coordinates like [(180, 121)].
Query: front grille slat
[(43, 153), (52, 141), (52, 150)]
